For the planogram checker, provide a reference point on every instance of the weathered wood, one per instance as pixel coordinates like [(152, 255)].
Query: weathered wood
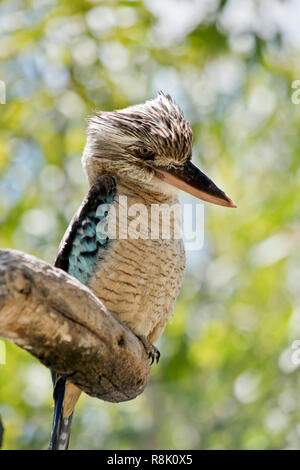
[(61, 322)]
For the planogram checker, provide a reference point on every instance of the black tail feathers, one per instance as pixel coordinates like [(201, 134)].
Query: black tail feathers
[(61, 427)]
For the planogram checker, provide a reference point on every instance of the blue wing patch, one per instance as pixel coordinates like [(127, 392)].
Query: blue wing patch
[(87, 237), (87, 244)]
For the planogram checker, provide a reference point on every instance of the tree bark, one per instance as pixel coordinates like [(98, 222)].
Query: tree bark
[(61, 322)]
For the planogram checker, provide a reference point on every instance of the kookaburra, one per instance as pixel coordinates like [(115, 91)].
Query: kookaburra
[(143, 153)]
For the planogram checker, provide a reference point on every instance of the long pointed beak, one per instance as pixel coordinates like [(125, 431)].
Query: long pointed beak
[(190, 179)]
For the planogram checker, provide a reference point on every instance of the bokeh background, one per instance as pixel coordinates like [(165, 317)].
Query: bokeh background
[(226, 379)]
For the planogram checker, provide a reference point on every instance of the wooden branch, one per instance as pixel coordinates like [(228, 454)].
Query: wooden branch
[(62, 323)]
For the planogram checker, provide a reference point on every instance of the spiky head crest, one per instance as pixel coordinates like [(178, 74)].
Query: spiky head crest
[(153, 131)]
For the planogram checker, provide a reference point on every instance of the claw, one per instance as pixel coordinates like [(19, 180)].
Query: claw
[(152, 352)]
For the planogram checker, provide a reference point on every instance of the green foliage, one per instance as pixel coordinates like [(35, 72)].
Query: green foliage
[(226, 378)]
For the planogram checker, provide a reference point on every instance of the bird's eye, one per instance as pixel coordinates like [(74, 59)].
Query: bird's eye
[(146, 154)]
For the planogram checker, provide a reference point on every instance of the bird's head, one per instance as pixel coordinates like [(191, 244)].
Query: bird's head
[(149, 145)]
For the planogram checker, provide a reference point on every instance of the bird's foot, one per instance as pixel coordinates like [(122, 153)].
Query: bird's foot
[(151, 351)]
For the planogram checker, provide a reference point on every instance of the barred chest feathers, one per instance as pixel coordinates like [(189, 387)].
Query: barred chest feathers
[(139, 279)]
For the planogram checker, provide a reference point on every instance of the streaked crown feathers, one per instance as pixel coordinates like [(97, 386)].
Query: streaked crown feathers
[(158, 124)]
